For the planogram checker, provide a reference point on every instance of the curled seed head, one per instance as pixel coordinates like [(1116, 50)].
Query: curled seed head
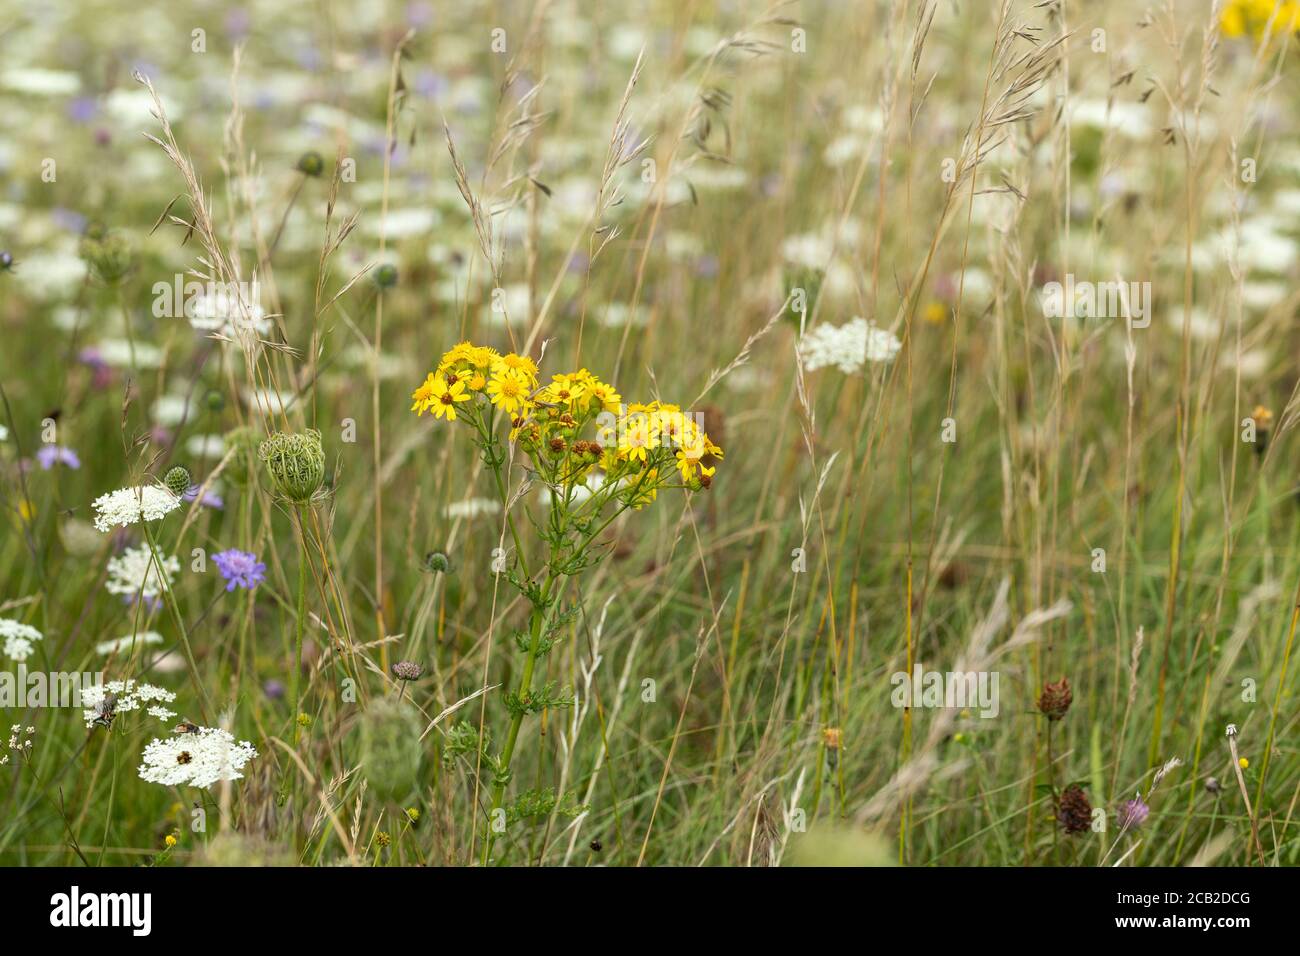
[(296, 462)]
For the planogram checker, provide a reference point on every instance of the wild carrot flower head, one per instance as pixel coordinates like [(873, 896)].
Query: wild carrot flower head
[(19, 638), (128, 506), (296, 463), (195, 759), (137, 572)]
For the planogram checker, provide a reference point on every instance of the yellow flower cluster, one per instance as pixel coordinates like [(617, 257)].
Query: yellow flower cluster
[(1242, 17), (635, 444), (508, 381)]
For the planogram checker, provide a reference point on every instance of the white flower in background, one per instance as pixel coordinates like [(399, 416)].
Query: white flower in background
[(35, 82), (170, 410), (128, 642), (848, 346), (404, 223), (229, 315), (269, 401), (19, 639), (118, 353), (809, 250), (206, 446), (197, 760), (134, 572), (4, 433), (50, 275), (471, 508), (615, 315), (510, 306), (127, 696), (162, 713), (128, 506)]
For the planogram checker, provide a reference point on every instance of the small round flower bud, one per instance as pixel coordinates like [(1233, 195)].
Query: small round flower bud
[(407, 670), (178, 480), (6, 261), (437, 562), (296, 462), (1055, 699), (216, 401), (1073, 809), (311, 163), (386, 276)]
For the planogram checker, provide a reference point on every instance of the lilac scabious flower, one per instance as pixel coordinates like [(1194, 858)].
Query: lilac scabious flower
[(51, 455), (240, 569), (1132, 813)]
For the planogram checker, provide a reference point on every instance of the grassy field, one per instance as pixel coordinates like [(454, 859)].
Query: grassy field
[(987, 310)]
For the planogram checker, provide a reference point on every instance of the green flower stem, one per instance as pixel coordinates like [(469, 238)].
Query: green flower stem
[(170, 601), (300, 623), (484, 430), (537, 628)]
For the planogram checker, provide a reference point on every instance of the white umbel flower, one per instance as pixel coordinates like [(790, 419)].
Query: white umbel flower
[(127, 694), (19, 638), (197, 760), (848, 346), (133, 572), (128, 506)]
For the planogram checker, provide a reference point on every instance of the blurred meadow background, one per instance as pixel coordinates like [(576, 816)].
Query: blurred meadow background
[(826, 228)]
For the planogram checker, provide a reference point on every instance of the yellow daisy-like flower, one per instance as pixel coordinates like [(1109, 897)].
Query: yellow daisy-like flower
[(521, 364), (637, 438), (604, 393), (647, 489), (563, 390), (444, 398), (508, 388), (423, 396)]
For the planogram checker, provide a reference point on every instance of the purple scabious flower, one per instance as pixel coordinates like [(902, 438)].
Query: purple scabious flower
[(209, 499), (1132, 813), (240, 569), (50, 455)]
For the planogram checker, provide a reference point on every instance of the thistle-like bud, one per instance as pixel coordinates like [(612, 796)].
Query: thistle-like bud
[(178, 480), (386, 276), (296, 462), (1055, 699), (437, 562), (407, 670), (311, 163)]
